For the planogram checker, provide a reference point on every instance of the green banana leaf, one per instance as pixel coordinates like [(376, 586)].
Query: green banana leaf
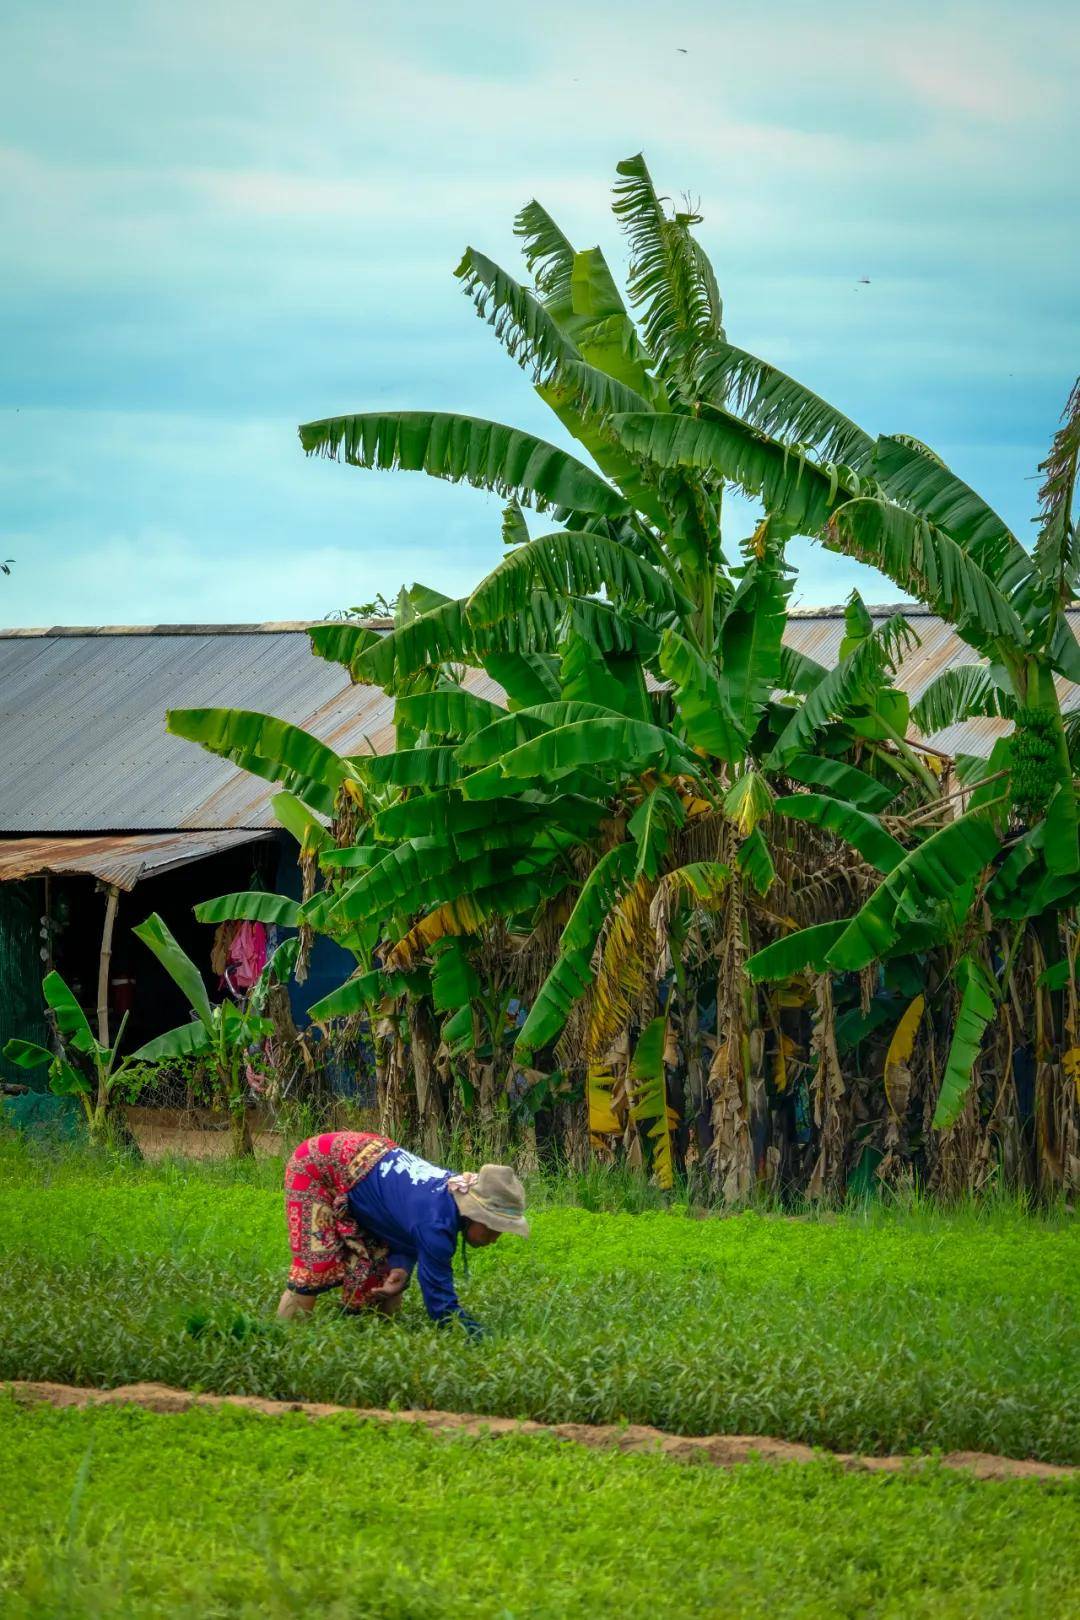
[(157, 936), (589, 744), (465, 448), (251, 906), (446, 712), (572, 563), (272, 749), (922, 885), (755, 862), (927, 563), (410, 767), (978, 1006), (843, 781), (526, 678), (702, 701), (732, 380), (791, 487), (186, 1040), (341, 643), (793, 954), (71, 1021), (572, 973), (862, 831), (658, 815), (510, 731), (454, 980), (299, 821)]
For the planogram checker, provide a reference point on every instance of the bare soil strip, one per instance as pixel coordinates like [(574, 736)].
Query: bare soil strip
[(720, 1450)]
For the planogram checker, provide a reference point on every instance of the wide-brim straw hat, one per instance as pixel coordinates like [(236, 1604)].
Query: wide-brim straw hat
[(494, 1196)]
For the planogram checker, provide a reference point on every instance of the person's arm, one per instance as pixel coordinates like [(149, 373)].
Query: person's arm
[(436, 1277)]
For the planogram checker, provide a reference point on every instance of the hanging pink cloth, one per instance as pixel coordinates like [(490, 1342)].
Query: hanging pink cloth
[(247, 956)]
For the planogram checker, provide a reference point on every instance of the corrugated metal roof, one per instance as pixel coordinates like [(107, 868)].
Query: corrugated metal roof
[(122, 860), (82, 715)]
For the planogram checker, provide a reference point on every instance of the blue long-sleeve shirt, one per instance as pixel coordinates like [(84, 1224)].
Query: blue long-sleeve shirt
[(405, 1202)]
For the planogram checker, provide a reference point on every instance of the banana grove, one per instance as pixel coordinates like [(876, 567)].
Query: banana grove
[(640, 878)]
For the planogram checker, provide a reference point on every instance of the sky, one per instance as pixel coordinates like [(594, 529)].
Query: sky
[(221, 220)]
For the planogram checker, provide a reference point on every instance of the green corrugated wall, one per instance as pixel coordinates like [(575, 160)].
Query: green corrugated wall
[(21, 971)]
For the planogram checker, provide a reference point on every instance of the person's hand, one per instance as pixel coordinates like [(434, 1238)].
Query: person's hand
[(396, 1282)]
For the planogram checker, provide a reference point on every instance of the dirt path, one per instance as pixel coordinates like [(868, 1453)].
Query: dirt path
[(721, 1450)]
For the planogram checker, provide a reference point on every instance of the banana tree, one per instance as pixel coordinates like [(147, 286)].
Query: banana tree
[(82, 1067), (224, 1036), (652, 715)]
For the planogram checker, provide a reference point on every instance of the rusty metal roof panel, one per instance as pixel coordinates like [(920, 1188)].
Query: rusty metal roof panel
[(82, 715), (122, 860)]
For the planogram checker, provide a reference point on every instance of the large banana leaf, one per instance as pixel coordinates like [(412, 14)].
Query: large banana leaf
[(843, 781), (793, 954), (531, 335), (735, 381), (791, 487), (957, 694), (927, 563), (862, 831), (454, 981), (572, 563), (64, 1079), (526, 678), (446, 712), (341, 643), (613, 629), (186, 1040), (702, 701), (616, 680), (71, 1021), (358, 994), (755, 861), (351, 858), (156, 934), (444, 635), (851, 685), (573, 972), (650, 1105), (658, 815), (548, 253), (799, 672), (593, 744), (252, 906), (270, 748), (914, 477), (751, 639), (510, 731), (977, 1008), (671, 281), (411, 767), (919, 889), (426, 873), (298, 820), (485, 454)]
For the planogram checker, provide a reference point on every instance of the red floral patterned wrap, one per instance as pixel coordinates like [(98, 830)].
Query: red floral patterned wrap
[(328, 1248)]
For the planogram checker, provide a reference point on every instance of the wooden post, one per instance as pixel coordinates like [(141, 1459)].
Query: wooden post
[(104, 961)]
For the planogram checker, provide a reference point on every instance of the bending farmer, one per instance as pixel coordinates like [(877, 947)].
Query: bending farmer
[(362, 1212)]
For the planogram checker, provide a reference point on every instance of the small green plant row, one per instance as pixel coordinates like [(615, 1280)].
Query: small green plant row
[(222, 1034), (92, 1532)]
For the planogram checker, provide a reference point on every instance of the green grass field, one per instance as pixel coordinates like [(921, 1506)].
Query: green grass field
[(875, 1331), (118, 1512)]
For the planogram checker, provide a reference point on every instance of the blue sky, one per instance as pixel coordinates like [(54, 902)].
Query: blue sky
[(221, 220)]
